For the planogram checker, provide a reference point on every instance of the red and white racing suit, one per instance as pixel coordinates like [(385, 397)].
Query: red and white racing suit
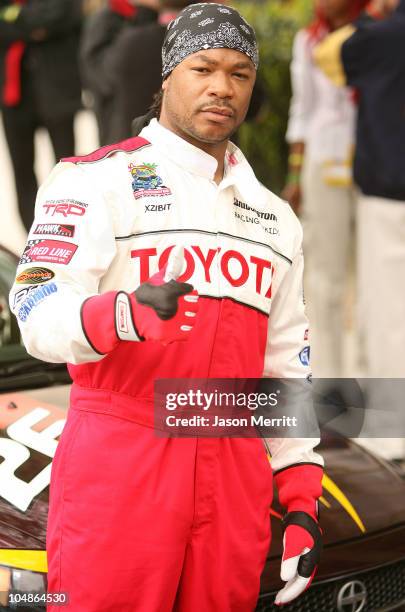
[(138, 522)]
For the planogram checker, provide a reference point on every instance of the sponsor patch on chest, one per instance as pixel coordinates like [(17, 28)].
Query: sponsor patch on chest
[(226, 268), (146, 182), (247, 214)]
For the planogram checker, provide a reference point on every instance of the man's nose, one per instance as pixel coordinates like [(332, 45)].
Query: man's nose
[(221, 85)]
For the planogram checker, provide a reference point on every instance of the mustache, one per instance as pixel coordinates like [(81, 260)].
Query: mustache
[(217, 104)]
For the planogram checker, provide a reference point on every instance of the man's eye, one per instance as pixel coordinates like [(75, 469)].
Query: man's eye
[(200, 69), (241, 75)]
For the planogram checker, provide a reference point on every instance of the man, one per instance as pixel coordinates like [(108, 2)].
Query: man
[(374, 62), (371, 58), (101, 35), (320, 133), (40, 84), (145, 523)]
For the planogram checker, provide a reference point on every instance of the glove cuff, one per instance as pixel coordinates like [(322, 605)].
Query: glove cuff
[(299, 487), (125, 305), (107, 319)]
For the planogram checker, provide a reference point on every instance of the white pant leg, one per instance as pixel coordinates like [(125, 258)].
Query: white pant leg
[(327, 219), (381, 284), (381, 303)]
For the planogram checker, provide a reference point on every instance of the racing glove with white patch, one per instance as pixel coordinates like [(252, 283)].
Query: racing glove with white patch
[(299, 487), (160, 309)]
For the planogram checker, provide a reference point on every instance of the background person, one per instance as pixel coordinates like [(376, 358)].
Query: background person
[(371, 57), (97, 59), (40, 84), (134, 66), (319, 184)]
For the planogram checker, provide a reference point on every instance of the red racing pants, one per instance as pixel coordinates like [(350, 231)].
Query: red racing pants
[(141, 523)]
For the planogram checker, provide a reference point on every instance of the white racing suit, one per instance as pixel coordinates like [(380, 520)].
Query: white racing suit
[(107, 222)]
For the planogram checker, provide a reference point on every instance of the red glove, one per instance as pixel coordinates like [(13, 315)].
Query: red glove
[(299, 488), (160, 309)]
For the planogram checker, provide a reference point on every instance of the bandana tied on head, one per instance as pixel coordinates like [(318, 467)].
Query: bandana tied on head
[(207, 26)]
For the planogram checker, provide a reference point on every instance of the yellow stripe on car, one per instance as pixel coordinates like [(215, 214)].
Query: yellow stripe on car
[(338, 494), (32, 560)]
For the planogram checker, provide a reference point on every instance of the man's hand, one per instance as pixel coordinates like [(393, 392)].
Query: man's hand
[(166, 309), (161, 309), (302, 548), (292, 189), (292, 194), (299, 488)]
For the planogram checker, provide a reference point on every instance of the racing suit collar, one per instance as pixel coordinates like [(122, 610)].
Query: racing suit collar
[(237, 170), (239, 173)]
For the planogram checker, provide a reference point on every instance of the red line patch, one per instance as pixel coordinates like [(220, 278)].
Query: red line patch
[(50, 251)]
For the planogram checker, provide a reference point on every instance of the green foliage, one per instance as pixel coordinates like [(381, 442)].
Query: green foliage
[(263, 140)]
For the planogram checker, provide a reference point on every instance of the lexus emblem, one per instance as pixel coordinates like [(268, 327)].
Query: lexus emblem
[(352, 597)]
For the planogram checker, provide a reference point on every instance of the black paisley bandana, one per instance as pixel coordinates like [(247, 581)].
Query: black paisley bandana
[(207, 26)]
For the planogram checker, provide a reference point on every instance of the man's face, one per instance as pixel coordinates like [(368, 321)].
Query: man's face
[(207, 95)]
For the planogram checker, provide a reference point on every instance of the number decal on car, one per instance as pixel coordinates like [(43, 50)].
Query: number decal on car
[(15, 451)]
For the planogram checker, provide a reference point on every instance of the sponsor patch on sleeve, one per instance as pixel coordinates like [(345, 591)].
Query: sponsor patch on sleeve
[(35, 298), (51, 251), (55, 229), (20, 295), (66, 208), (34, 276)]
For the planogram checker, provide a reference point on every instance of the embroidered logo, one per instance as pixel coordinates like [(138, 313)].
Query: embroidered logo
[(34, 276), (55, 229), (146, 182), (51, 251), (34, 299)]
